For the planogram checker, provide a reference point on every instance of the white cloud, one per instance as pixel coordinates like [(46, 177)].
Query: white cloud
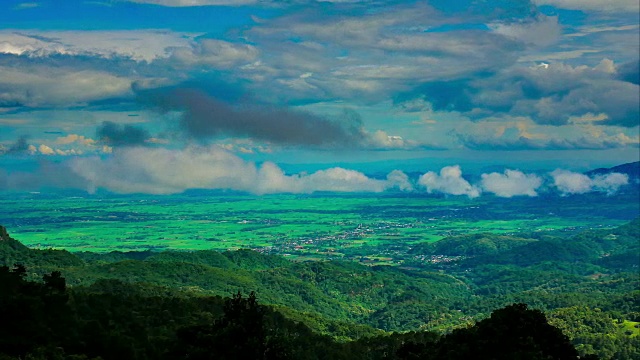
[(68, 152), (75, 138), (594, 5), (217, 53), (50, 86), (610, 183), (521, 133), (139, 45), (568, 182), (27, 5), (339, 179), (550, 94), (385, 53), (511, 183), (183, 3), (592, 29), (400, 180), (45, 150), (381, 140), (545, 30), (449, 181), (369, 57), (164, 171)]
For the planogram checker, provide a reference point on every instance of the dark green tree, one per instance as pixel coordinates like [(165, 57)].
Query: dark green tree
[(242, 333), (511, 333)]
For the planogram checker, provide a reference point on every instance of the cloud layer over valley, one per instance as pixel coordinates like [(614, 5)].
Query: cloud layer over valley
[(158, 170)]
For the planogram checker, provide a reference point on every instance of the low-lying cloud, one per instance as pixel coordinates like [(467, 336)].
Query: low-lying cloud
[(156, 170), (165, 171), (511, 183), (448, 181), (568, 182)]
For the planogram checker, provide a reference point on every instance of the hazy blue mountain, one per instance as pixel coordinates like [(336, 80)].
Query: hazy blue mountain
[(631, 169)]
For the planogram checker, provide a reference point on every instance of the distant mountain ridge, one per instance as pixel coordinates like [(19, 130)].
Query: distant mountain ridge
[(631, 169)]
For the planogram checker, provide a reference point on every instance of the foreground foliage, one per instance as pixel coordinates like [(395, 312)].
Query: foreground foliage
[(42, 320)]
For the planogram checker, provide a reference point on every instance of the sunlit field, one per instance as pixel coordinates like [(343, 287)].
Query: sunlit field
[(369, 227)]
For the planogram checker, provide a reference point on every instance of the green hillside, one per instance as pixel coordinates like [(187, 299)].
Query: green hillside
[(591, 275)]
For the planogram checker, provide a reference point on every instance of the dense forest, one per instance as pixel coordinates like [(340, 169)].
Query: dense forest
[(581, 293)]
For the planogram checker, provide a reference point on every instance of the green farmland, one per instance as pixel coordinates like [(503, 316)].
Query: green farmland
[(367, 227)]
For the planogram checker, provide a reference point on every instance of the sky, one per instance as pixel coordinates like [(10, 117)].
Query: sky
[(160, 96)]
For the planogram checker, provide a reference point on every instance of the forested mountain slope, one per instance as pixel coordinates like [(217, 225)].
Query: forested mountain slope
[(587, 284)]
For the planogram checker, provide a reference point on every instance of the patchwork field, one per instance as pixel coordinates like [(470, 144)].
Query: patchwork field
[(366, 227)]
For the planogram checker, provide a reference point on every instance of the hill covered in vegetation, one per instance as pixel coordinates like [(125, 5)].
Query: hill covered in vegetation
[(632, 170), (587, 285)]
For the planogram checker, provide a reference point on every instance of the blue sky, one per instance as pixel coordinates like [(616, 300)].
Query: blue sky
[(106, 93)]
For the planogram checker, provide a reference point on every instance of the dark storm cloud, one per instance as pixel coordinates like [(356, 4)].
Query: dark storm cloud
[(207, 117), (630, 72), (121, 135), (19, 147)]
